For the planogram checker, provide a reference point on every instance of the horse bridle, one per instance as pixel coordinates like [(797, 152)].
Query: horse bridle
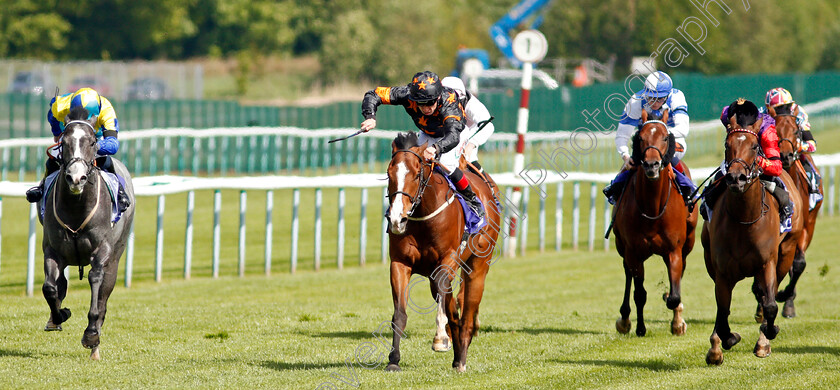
[(661, 155), (415, 200), (751, 168), (797, 134), (89, 164)]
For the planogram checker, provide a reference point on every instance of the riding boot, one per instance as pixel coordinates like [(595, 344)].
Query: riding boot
[(464, 188), (613, 190), (123, 201), (473, 201), (35, 194), (687, 187), (814, 178), (785, 205)]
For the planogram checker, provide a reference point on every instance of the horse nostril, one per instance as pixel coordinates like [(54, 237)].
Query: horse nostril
[(83, 178), (742, 178)]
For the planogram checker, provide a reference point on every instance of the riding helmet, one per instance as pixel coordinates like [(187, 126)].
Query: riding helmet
[(425, 88)]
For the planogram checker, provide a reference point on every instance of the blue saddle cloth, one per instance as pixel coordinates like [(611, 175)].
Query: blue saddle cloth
[(473, 223), (112, 182)]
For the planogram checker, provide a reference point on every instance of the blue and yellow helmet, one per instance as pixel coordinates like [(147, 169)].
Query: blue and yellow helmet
[(87, 98)]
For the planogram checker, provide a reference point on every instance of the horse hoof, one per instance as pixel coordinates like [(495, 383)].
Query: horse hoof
[(460, 368), (52, 327), (441, 345), (714, 357), (393, 367), (94, 354), (622, 325), (762, 347), (678, 329), (730, 342), (641, 330), (789, 311), (90, 339)]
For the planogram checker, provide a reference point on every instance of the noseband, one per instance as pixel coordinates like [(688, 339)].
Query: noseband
[(424, 181)]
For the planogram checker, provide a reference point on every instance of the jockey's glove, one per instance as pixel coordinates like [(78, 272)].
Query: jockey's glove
[(108, 146)]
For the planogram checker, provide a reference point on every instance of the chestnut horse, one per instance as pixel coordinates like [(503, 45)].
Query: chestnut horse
[(743, 240), (425, 234), (789, 141), (651, 218)]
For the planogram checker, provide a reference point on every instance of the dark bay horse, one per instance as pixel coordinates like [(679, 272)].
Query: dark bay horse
[(743, 239), (425, 233), (652, 219), (78, 230), (789, 141)]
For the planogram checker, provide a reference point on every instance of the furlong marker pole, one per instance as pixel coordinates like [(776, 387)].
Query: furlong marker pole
[(519, 159)]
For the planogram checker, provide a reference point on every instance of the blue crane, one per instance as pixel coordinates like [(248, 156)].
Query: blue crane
[(499, 30)]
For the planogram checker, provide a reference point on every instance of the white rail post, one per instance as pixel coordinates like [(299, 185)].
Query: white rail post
[(318, 227), (340, 254), (217, 231), (159, 240), (832, 179), (592, 190), (167, 158), (30, 256), (542, 217), (295, 227), (243, 205), (129, 257), (269, 229), (188, 235), (576, 215), (558, 218), (384, 237), (194, 168), (363, 225)]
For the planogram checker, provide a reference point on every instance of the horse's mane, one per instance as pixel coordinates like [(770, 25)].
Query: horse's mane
[(78, 113), (406, 140), (745, 112)]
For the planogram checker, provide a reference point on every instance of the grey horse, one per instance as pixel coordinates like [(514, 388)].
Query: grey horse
[(78, 230)]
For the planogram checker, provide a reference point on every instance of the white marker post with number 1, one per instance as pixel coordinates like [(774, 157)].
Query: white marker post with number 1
[(528, 46)]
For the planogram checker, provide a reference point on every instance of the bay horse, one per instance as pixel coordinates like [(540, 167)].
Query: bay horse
[(425, 234), (651, 218), (743, 240), (78, 230), (789, 142)]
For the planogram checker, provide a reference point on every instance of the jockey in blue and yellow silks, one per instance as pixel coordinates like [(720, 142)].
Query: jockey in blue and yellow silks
[(107, 127)]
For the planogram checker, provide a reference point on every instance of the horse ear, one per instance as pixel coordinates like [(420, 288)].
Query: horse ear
[(757, 125), (796, 111), (393, 146), (733, 123), (644, 116), (93, 121), (665, 115), (771, 111)]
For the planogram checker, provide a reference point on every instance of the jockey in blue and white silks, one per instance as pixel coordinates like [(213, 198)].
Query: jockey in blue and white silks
[(657, 96)]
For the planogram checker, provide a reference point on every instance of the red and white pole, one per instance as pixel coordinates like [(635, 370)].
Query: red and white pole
[(529, 46), (519, 159)]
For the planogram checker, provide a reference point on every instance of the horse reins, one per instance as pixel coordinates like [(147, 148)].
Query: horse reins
[(89, 217)]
